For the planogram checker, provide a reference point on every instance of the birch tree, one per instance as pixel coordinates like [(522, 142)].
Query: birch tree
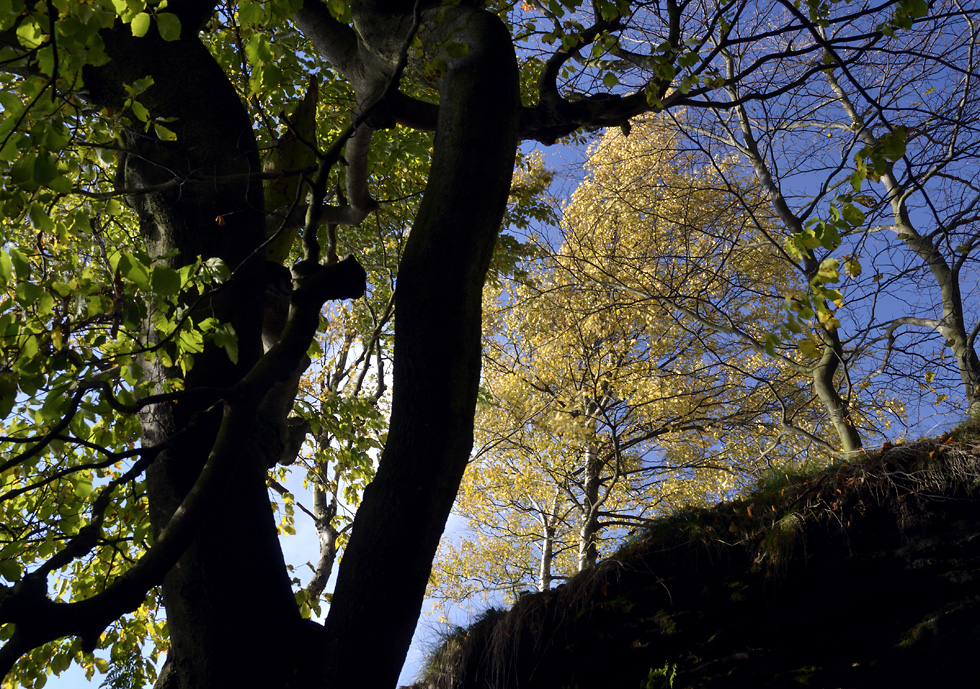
[(902, 227), (604, 408)]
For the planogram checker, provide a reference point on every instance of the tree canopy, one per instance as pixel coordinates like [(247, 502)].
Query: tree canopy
[(181, 182), (602, 408), (782, 259)]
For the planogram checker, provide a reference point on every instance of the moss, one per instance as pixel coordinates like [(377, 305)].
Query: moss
[(784, 541), (807, 580), (958, 620), (925, 630), (665, 623)]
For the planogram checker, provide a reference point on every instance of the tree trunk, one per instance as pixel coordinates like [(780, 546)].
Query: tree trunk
[(589, 530), (382, 577), (549, 523), (823, 383), (324, 512), (547, 554), (952, 325), (833, 353), (232, 617)]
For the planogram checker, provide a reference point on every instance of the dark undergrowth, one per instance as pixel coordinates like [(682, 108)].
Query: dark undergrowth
[(864, 574)]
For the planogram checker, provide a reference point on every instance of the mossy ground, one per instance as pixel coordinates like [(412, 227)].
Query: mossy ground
[(863, 574)]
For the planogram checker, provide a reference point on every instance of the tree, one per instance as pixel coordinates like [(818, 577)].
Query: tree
[(748, 261), (900, 225), (721, 268), (602, 408), (134, 376)]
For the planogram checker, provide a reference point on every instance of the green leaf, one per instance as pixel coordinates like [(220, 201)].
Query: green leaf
[(133, 269), (53, 408), (22, 172), (251, 13), (28, 350), (29, 34), (6, 268), (892, 145), (165, 281), (168, 25), (770, 344), (340, 10), (915, 8), (83, 486), (138, 86), (666, 72), (830, 239), (810, 240), (852, 215), (45, 168), (140, 24), (62, 289), (225, 337), (852, 267), (40, 220), (219, 271), (807, 348), (828, 270), (190, 341), (44, 304), (142, 114), (27, 293), (60, 184), (609, 11), (688, 59), (10, 569), (60, 663), (164, 133), (8, 393), (258, 50)]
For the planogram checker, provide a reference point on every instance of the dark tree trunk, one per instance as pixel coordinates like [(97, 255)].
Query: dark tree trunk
[(232, 617), (231, 614), (382, 578)]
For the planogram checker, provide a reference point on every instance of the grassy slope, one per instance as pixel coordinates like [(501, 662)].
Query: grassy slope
[(864, 575)]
